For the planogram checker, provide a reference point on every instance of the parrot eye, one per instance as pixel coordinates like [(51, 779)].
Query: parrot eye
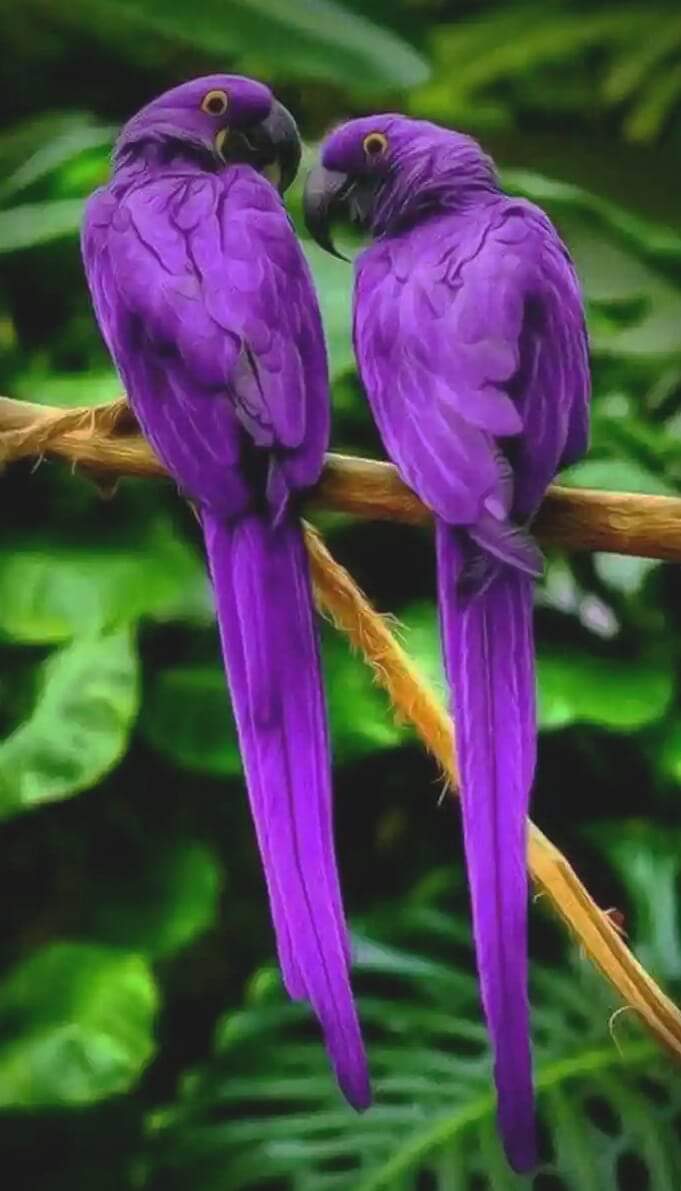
[(215, 103), (375, 144)]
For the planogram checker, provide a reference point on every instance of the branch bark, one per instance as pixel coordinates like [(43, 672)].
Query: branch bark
[(105, 440)]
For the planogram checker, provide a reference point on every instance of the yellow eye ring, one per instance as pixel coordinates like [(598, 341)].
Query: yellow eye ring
[(214, 103), (375, 144)]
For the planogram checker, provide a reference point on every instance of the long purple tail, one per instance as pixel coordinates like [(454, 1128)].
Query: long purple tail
[(489, 659), (266, 619)]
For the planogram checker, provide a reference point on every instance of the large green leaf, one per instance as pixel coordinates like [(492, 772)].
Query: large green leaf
[(613, 693), (169, 900), (37, 223), (316, 38), (79, 726), (50, 591), (35, 149), (265, 1107), (76, 1026)]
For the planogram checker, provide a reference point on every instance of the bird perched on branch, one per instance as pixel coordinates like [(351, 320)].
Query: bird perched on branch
[(208, 309), (470, 341)]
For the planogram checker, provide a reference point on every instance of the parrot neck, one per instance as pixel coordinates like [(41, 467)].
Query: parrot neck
[(404, 204), (152, 158)]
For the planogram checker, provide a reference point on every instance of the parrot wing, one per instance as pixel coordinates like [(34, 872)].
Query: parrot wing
[(474, 358), (206, 275)]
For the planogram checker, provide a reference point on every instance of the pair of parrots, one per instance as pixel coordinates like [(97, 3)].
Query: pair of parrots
[(470, 342)]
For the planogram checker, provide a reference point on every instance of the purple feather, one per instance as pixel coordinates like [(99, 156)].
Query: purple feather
[(272, 660), (207, 306), (488, 649), (470, 340)]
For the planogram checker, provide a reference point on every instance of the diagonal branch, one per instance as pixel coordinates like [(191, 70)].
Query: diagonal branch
[(105, 440), (413, 700)]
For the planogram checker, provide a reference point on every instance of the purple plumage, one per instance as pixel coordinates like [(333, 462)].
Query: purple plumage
[(470, 340), (206, 304)]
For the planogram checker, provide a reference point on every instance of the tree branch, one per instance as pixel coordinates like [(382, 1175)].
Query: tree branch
[(105, 439)]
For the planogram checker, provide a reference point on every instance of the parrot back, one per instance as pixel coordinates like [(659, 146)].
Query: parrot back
[(470, 339), (206, 303)]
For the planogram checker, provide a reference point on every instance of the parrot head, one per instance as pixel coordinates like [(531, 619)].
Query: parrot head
[(225, 118), (383, 171)]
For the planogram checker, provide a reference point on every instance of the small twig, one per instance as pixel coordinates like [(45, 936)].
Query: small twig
[(105, 440)]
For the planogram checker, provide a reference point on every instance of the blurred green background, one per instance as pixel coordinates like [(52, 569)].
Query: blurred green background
[(144, 1040)]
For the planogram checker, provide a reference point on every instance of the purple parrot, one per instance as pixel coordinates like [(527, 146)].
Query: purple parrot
[(470, 339), (208, 309)]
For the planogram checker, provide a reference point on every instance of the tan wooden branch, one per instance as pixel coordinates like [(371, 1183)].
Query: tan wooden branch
[(105, 440)]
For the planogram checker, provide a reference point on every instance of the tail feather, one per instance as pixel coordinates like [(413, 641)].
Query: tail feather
[(489, 659), (266, 620)]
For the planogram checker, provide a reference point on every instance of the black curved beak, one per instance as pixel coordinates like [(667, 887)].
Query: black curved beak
[(273, 147), (285, 145), (326, 192)]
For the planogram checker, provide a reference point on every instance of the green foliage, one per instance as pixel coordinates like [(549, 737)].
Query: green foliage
[(79, 726), (76, 1023), (333, 279), (620, 475), (635, 45), (51, 591), (647, 859), (45, 147), (116, 727), (609, 692), (37, 223), (322, 39), (67, 388), (187, 717), (433, 1117), (165, 905), (644, 239), (42, 152)]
